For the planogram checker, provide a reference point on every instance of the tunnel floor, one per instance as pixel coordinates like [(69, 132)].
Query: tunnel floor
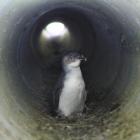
[(106, 33)]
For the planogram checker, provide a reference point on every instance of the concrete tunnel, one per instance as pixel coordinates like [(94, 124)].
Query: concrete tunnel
[(107, 32)]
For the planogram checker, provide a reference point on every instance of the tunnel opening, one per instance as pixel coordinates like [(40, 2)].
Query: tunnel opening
[(105, 36), (39, 59), (45, 54)]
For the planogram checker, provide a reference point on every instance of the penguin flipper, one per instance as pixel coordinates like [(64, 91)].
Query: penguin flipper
[(56, 94)]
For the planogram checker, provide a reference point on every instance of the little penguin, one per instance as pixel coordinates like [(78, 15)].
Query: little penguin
[(70, 94)]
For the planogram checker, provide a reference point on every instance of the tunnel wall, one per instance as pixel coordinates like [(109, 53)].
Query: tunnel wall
[(20, 117)]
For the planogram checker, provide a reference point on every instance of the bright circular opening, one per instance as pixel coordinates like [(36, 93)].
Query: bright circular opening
[(54, 29)]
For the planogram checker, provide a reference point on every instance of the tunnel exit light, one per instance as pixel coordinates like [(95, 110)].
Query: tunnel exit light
[(54, 29)]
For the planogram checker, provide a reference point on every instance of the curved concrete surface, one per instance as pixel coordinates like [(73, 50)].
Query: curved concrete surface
[(107, 32)]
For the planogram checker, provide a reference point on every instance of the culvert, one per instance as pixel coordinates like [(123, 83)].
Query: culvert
[(106, 32)]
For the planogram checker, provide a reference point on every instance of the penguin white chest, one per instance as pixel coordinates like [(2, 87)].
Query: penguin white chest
[(72, 97)]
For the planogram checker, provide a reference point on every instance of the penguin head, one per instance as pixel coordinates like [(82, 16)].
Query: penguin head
[(73, 60)]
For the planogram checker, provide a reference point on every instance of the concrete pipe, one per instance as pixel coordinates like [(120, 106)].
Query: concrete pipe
[(107, 32)]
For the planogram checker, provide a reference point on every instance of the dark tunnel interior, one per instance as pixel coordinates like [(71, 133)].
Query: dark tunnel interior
[(32, 66), (99, 42)]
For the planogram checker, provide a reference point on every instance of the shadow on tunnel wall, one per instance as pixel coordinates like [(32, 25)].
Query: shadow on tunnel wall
[(107, 33)]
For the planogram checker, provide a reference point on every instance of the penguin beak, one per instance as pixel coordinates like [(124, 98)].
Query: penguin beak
[(82, 57)]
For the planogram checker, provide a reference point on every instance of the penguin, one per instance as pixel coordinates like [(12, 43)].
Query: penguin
[(70, 93)]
